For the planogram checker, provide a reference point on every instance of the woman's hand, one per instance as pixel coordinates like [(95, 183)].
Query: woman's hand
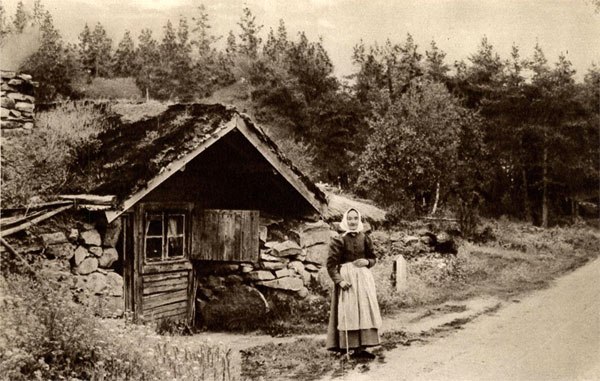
[(344, 285), (361, 262)]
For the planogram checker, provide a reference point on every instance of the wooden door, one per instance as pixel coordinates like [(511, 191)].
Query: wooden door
[(164, 273)]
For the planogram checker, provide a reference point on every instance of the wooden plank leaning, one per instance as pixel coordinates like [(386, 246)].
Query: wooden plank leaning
[(34, 221)]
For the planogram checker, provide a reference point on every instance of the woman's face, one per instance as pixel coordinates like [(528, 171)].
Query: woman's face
[(353, 220)]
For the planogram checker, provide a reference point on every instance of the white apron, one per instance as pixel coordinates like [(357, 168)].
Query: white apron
[(357, 306)]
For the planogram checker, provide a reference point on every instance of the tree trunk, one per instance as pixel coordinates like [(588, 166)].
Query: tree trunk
[(437, 198), (545, 187), (527, 204)]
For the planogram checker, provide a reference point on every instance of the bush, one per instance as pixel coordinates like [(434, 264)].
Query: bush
[(41, 162), (44, 334)]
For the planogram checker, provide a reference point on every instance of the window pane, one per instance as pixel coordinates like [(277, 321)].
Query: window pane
[(154, 225), (175, 247), (154, 248), (175, 225)]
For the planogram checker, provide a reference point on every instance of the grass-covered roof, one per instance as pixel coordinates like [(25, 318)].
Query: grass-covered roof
[(141, 140)]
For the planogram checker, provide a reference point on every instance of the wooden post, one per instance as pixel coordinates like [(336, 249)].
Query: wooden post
[(400, 273)]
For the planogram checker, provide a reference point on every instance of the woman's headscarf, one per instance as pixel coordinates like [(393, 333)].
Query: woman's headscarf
[(344, 223)]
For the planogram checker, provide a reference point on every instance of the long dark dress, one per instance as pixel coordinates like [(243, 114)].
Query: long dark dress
[(345, 249)]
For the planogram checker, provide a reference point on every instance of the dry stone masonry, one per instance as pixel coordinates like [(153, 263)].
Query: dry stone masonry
[(17, 97), (86, 259)]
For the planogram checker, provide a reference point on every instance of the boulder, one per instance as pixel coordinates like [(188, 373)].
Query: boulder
[(305, 277), (8, 74), (89, 265), (112, 233), (297, 266), (95, 251), (24, 106), (287, 283), (311, 267), (7, 103), (286, 249), (26, 77), (323, 279), (237, 307), (317, 254), (272, 265), (15, 82), (246, 267), (109, 256), (260, 275), (314, 233), (264, 256), (73, 235), (28, 126), (234, 279), (445, 244), (80, 254), (96, 283), (303, 292), (91, 238), (63, 251), (214, 281), (271, 244), (283, 273), (262, 233), (410, 239), (205, 293), (4, 113)]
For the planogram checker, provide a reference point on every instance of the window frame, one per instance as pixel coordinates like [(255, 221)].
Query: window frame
[(164, 214)]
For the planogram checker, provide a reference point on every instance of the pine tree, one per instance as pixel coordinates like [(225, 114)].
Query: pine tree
[(50, 65), (85, 49), (282, 37), (270, 46), (124, 64), (21, 18), (39, 12), (231, 46), (101, 46), (5, 28), (249, 39), (436, 69), (147, 61), (204, 39)]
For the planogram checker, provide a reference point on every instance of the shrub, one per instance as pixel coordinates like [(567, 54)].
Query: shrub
[(43, 161), (44, 334)]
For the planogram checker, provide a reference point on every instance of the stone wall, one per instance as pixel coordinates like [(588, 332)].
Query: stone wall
[(17, 101), (292, 262), (87, 260)]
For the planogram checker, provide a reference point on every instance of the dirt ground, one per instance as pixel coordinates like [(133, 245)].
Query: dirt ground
[(552, 334)]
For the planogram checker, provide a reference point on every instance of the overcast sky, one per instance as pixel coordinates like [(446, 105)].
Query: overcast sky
[(569, 26)]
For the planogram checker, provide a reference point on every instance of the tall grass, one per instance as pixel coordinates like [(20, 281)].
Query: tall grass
[(42, 161), (45, 335), (521, 259)]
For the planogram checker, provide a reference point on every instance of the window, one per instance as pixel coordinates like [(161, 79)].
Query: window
[(165, 236)]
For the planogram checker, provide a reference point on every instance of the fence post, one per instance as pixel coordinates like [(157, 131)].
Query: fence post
[(400, 273)]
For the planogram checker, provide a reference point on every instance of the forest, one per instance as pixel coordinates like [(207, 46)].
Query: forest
[(489, 135)]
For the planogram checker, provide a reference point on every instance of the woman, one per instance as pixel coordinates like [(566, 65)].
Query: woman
[(354, 318)]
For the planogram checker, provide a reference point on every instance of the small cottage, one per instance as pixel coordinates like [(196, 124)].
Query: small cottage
[(188, 188)]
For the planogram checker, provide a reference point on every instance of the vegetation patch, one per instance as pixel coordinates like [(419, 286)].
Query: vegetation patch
[(45, 335)]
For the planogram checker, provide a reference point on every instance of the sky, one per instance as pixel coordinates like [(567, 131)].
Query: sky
[(571, 27)]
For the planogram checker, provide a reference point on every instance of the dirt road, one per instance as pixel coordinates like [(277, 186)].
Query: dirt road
[(552, 334)]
